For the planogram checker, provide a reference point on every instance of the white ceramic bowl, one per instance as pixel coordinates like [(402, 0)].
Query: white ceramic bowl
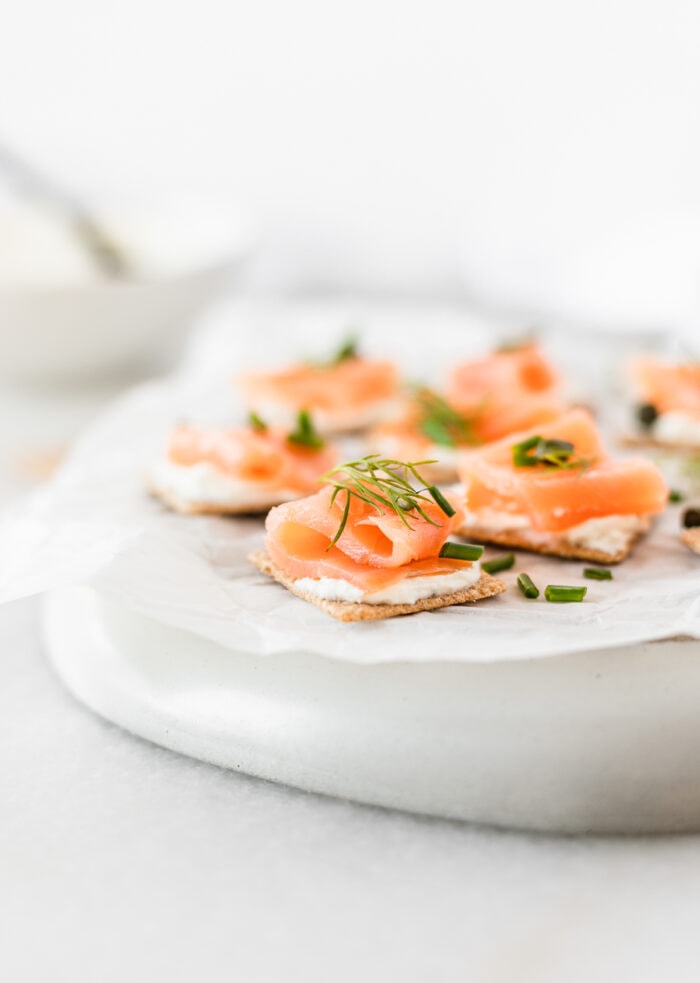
[(61, 321)]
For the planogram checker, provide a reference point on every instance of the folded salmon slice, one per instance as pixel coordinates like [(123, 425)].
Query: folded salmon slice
[(506, 391), (375, 550), (554, 500), (669, 386), (352, 382), (262, 457), (502, 376)]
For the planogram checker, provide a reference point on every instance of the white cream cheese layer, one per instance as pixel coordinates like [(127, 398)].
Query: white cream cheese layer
[(676, 428), (406, 591), (608, 534), (203, 484)]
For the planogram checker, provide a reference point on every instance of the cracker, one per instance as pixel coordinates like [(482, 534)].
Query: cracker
[(646, 440), (691, 537), (552, 545), (187, 507), (487, 586)]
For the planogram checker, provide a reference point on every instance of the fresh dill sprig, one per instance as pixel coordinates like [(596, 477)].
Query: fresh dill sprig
[(536, 452), (442, 423), (385, 484), (256, 422)]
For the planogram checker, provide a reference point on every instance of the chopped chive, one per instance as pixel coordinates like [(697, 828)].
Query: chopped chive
[(347, 350), (256, 422), (461, 551), (305, 434), (499, 563), (559, 594), (521, 457), (597, 573), (675, 496), (527, 587), (440, 500)]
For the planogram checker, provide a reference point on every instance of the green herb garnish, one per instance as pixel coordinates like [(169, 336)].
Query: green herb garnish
[(597, 573), (563, 595), (256, 422), (675, 496), (349, 349), (440, 422), (440, 500), (385, 483), (536, 452), (306, 434), (499, 563), (461, 551), (527, 587)]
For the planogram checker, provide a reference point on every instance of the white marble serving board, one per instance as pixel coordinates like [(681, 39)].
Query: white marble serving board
[(601, 741)]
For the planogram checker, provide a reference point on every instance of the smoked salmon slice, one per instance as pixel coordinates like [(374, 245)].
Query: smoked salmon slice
[(587, 485), (345, 394), (350, 545), (262, 457), (502, 378), (667, 386), (375, 549), (240, 469)]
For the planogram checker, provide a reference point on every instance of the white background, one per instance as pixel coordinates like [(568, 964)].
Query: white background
[(543, 155)]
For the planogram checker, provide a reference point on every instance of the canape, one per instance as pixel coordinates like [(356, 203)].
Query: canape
[(555, 490), (346, 393), (667, 403), (373, 543), (509, 390), (240, 470)]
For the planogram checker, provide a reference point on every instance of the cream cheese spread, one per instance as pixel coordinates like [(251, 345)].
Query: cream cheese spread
[(405, 591), (204, 484)]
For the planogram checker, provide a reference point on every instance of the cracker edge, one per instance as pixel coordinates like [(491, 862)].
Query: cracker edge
[(520, 539), (691, 538), (487, 586), (672, 446), (186, 507)]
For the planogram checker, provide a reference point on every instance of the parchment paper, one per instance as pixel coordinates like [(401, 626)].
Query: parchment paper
[(96, 524)]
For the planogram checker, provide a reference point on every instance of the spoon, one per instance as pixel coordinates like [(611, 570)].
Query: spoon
[(106, 255)]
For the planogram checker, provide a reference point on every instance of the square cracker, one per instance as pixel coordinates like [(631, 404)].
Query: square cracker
[(188, 507), (549, 545), (645, 440), (486, 586), (691, 537)]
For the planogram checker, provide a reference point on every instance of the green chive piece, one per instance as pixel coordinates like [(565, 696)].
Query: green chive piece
[(461, 551), (256, 422), (597, 573), (349, 349), (440, 500), (563, 595), (675, 496), (499, 563), (521, 456), (527, 587), (305, 434)]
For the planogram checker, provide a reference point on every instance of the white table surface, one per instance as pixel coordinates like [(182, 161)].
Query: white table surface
[(122, 861)]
